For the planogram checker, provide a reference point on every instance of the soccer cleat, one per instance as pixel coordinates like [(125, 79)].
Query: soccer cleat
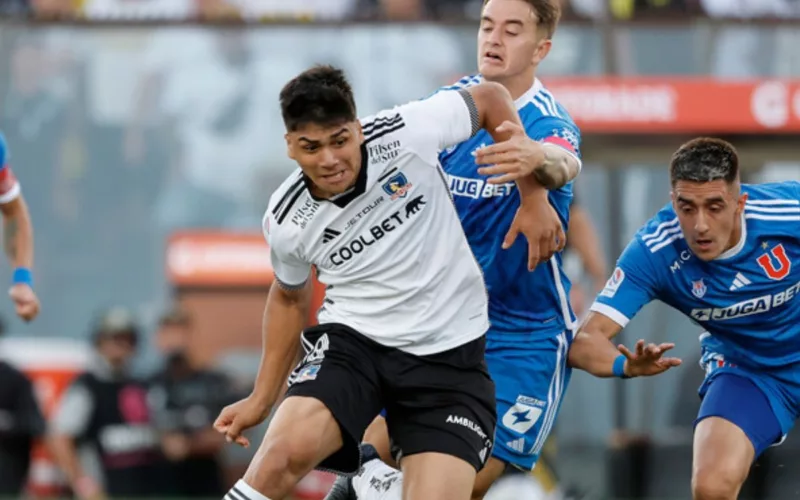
[(342, 488)]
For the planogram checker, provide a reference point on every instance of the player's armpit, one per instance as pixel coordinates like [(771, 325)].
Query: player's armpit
[(592, 349), (285, 317)]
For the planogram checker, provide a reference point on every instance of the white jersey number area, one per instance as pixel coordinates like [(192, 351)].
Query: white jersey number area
[(391, 252)]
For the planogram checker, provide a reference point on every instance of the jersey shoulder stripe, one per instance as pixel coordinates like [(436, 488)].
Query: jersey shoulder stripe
[(774, 201), (660, 231), (375, 128), (286, 196)]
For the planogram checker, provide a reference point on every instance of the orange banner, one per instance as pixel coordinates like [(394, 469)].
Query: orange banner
[(674, 105), (218, 259)]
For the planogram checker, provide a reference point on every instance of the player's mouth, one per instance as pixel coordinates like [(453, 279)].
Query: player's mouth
[(704, 244), (492, 57), (335, 177)]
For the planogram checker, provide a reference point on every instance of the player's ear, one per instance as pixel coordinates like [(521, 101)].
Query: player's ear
[(359, 132), (740, 203), (543, 47), (289, 148)]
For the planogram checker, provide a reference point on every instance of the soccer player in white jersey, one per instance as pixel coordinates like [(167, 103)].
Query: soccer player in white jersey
[(404, 317), (17, 239), (722, 254), (532, 323)]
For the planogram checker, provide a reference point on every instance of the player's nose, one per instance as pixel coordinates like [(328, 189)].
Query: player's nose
[(327, 159)]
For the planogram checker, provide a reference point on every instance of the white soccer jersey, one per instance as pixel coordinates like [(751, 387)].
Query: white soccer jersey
[(391, 252)]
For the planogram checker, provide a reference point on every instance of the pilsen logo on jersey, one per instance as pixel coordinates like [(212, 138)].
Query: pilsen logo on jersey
[(382, 153), (377, 232), (397, 186), (305, 213), (775, 263), (699, 288)]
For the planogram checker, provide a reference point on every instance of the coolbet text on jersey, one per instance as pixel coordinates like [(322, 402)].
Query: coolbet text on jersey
[(746, 300), (531, 319)]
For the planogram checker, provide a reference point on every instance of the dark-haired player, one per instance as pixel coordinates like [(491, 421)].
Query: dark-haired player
[(405, 312), (724, 254), (17, 239)]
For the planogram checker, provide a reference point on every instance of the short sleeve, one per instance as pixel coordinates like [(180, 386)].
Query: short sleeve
[(631, 286), (560, 133), (74, 411), (291, 272), (444, 119), (9, 186)]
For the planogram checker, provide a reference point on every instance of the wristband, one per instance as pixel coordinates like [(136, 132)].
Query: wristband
[(619, 367), (23, 275)]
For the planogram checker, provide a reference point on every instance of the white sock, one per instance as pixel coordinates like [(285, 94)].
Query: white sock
[(378, 481), (243, 491)]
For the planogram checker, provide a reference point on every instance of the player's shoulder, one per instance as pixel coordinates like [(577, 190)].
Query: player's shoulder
[(282, 203), (773, 193), (539, 105), (661, 235), (385, 125), (463, 83)]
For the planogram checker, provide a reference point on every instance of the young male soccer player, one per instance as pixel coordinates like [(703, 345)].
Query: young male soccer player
[(724, 254), (529, 311), (17, 238), (405, 313)]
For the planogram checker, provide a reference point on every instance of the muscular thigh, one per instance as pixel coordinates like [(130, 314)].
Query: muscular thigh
[(441, 404), (338, 371), (531, 376)]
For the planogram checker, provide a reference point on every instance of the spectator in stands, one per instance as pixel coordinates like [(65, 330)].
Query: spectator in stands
[(102, 435), (627, 9), (583, 255), (21, 422), (185, 401)]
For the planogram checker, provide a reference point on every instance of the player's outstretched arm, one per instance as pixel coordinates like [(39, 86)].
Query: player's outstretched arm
[(285, 317), (18, 245), (593, 351)]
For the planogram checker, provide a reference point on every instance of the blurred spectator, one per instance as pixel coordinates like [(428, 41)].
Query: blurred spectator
[(583, 256), (21, 422), (102, 435), (778, 9), (15, 7), (628, 9), (185, 400), (407, 10)]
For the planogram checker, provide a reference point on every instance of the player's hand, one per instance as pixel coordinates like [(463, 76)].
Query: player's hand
[(648, 359), (25, 301), (512, 159), (538, 221), (238, 417)]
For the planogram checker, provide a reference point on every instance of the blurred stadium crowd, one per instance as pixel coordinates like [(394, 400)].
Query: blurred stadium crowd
[(340, 10), (126, 133)]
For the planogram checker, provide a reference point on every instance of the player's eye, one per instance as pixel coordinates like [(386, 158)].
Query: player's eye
[(486, 29), (310, 148), (512, 33), (687, 209), (341, 141)]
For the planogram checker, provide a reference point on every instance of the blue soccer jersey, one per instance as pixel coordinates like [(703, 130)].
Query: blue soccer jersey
[(520, 301), (746, 299)]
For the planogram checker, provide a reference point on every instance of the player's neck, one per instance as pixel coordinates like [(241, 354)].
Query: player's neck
[(518, 85)]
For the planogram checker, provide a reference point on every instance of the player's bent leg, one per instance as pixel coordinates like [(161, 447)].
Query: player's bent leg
[(437, 475), (377, 435), (302, 433), (486, 477), (729, 436)]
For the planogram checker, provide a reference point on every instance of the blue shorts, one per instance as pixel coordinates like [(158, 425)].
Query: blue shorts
[(530, 376), (763, 405)]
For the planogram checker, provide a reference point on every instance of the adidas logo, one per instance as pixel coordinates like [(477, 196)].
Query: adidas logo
[(329, 234), (517, 445), (739, 281)]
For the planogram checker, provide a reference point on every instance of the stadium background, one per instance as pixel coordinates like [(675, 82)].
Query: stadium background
[(147, 137)]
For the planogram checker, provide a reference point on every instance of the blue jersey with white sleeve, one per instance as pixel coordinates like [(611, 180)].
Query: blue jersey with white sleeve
[(520, 301), (746, 299)]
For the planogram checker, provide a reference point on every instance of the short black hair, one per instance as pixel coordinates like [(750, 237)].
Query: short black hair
[(705, 159), (320, 95)]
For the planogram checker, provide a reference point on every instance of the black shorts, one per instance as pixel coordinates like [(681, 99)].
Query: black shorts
[(443, 402)]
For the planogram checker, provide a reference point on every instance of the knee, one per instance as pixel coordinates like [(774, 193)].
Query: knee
[(716, 483), (282, 459)]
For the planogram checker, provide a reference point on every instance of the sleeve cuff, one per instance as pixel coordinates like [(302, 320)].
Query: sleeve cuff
[(615, 316)]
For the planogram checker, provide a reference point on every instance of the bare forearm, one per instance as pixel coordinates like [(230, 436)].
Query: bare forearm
[(557, 169), (66, 457), (585, 241), (593, 353), (17, 233), (284, 320)]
